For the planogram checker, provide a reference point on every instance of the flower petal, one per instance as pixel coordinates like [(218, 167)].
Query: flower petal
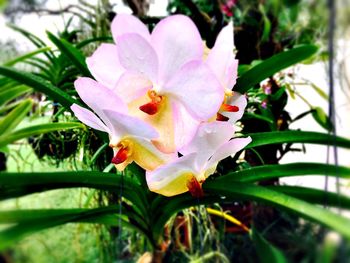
[(172, 179), (227, 149), (89, 118), (104, 65), (162, 121), (137, 55), (132, 85), (184, 124), (221, 58), (238, 100), (125, 125), (177, 41), (98, 97), (124, 24), (146, 155), (197, 88), (207, 140)]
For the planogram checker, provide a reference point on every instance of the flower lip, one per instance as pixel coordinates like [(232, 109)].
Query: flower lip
[(195, 187), (121, 156), (152, 107)]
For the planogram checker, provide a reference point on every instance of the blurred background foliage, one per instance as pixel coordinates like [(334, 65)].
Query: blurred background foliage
[(58, 143)]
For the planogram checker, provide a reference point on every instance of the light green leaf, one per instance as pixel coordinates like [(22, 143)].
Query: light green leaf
[(13, 118), (26, 56), (273, 65), (12, 92), (321, 118)]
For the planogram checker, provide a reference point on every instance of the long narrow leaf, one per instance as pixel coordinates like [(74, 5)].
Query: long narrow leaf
[(26, 56), (245, 191), (74, 54), (30, 222), (20, 184), (12, 92), (39, 84), (6, 139), (265, 138), (266, 172), (12, 119), (273, 65)]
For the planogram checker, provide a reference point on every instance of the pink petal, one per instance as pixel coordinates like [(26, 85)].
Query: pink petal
[(208, 139), (227, 149), (238, 100), (124, 125), (89, 118), (104, 65), (177, 41), (132, 85), (137, 55), (98, 97), (196, 87), (221, 58), (185, 126), (171, 179), (124, 24)]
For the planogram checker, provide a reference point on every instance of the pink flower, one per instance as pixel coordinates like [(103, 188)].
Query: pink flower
[(221, 60), (161, 76), (210, 145), (129, 136)]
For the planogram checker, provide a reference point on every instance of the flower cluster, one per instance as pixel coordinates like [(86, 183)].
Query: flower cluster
[(162, 95)]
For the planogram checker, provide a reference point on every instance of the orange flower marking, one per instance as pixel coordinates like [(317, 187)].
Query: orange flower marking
[(152, 107), (121, 156), (229, 108), (195, 188), (220, 117)]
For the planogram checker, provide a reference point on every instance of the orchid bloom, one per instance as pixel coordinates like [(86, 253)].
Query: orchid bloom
[(210, 145), (129, 136), (223, 63), (161, 76)]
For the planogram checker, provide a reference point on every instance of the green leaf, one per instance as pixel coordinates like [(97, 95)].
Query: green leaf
[(26, 56), (13, 92), (74, 54), (39, 84), (245, 191), (315, 196), (266, 172), (266, 138), (32, 221), (6, 139), (20, 184), (273, 65), (267, 253), (12, 119), (321, 118)]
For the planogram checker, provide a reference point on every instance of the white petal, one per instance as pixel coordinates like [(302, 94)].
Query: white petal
[(208, 139), (238, 100), (125, 125), (89, 118), (177, 41), (124, 24), (228, 149), (137, 55), (104, 65), (197, 88), (172, 179)]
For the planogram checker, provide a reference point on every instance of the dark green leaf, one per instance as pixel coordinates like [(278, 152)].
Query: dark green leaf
[(273, 65), (6, 139), (26, 56), (265, 138), (39, 84), (12, 92), (74, 54), (267, 253)]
